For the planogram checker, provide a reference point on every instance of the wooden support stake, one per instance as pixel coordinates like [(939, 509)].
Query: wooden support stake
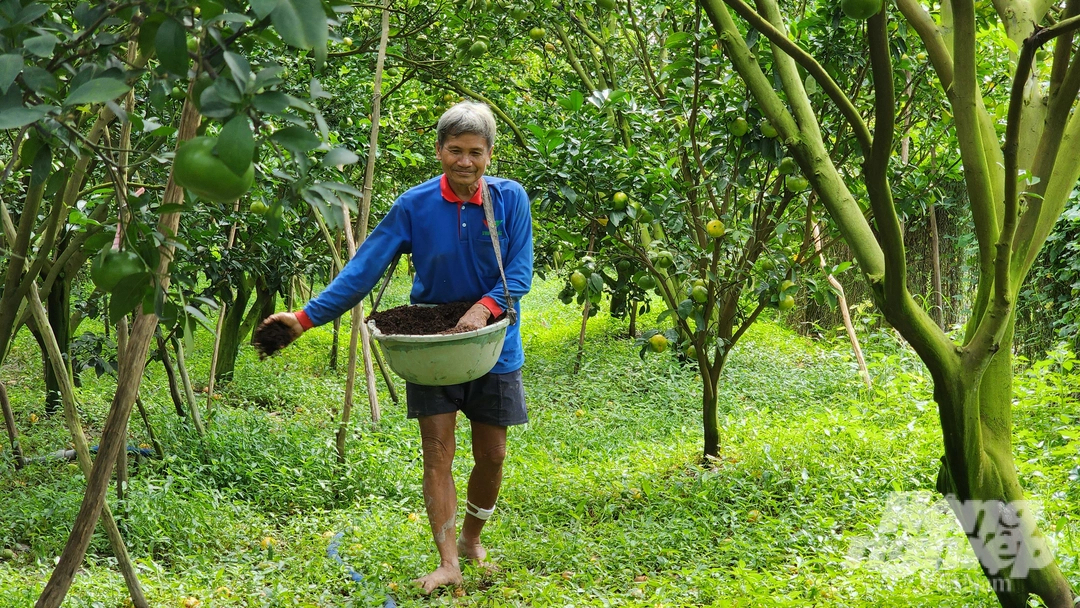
[(9, 421)]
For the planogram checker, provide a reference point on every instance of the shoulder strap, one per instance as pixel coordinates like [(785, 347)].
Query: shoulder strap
[(493, 228)]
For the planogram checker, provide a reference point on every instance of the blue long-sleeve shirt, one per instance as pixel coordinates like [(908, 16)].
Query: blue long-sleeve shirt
[(451, 252)]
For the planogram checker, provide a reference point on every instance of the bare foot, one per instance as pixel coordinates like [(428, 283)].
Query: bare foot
[(446, 574), (474, 552)]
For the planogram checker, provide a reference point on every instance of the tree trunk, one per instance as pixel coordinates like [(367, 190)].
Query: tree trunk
[(633, 320), (581, 335), (174, 384), (264, 306), (59, 311), (230, 337), (709, 419), (935, 268), (978, 477)]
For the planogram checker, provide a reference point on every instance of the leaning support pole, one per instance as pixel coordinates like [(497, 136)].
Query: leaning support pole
[(127, 387), (13, 432), (845, 312), (359, 330), (82, 450), (220, 323), (189, 391)]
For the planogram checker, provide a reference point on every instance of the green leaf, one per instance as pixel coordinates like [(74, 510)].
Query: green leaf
[(263, 8), (236, 145), (685, 308), (14, 118), (171, 44), (301, 23), (296, 139), (270, 102), (573, 101), (340, 156), (10, 67), (240, 68), (128, 294), (97, 91), (42, 45)]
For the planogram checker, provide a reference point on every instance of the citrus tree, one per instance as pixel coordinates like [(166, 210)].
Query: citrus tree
[(94, 98), (1019, 172), (672, 184)]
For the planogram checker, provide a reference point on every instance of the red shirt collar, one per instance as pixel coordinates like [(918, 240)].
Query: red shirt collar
[(451, 196)]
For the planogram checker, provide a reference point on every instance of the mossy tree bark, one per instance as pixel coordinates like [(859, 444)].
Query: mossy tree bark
[(972, 378)]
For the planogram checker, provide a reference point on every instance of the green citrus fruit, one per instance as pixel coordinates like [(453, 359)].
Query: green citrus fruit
[(715, 228), (198, 168), (113, 265), (606, 5), (646, 281), (7, 554), (691, 352), (787, 303), (463, 43), (860, 10), (259, 207), (767, 129), (578, 281), (645, 216), (796, 183), (658, 343), (619, 199), (517, 13), (699, 294), (787, 165), (665, 259), (537, 33), (478, 48), (623, 267), (786, 285), (738, 127)]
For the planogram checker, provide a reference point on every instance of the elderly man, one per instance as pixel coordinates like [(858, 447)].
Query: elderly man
[(441, 223)]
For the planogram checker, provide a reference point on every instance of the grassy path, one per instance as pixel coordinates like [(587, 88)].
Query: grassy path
[(605, 501)]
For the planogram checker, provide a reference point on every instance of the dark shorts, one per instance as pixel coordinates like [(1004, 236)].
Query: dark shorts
[(496, 399)]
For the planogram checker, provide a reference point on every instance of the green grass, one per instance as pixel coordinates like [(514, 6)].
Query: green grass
[(605, 500)]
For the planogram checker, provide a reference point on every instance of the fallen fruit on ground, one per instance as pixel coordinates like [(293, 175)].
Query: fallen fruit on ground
[(198, 168), (658, 343)]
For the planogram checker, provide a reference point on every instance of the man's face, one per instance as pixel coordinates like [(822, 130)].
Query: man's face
[(464, 158)]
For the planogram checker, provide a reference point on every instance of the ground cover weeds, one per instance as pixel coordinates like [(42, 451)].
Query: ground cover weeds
[(606, 500)]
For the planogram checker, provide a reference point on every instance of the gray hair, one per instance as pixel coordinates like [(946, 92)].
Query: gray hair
[(467, 117)]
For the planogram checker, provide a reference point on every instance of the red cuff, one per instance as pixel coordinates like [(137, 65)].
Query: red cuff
[(305, 322), (490, 303)]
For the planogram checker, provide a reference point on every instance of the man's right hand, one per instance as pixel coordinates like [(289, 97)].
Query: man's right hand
[(276, 332)]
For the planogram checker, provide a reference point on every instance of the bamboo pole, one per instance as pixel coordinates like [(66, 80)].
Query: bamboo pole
[(359, 329), (220, 322), (13, 431), (82, 450), (844, 311), (189, 390), (129, 378)]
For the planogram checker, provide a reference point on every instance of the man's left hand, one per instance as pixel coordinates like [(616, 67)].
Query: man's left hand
[(476, 318)]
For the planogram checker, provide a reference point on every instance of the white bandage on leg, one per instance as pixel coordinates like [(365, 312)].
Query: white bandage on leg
[(477, 512)]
